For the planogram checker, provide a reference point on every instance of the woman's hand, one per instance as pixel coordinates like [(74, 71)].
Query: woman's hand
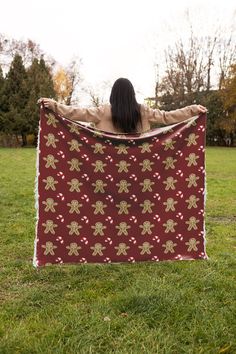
[(48, 102), (202, 109)]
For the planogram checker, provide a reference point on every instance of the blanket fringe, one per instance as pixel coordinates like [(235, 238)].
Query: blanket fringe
[(205, 198), (36, 197)]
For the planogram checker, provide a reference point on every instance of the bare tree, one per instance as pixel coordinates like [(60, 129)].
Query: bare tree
[(198, 63), (189, 65), (73, 71), (211, 43), (184, 68), (27, 49), (156, 85), (97, 95), (226, 51)]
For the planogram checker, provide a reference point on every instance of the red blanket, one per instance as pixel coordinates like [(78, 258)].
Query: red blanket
[(103, 197)]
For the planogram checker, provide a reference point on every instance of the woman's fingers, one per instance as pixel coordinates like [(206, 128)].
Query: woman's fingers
[(46, 101), (202, 109), (41, 99)]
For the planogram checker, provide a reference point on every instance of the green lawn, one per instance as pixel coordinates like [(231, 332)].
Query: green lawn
[(166, 307)]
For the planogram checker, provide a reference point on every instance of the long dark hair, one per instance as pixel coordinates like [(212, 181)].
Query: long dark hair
[(125, 109)]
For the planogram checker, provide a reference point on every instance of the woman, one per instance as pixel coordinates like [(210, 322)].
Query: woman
[(124, 114)]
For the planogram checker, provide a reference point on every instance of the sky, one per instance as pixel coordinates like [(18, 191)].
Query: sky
[(114, 39)]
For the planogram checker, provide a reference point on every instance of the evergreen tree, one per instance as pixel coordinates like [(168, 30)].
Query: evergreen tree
[(40, 83), (1, 98), (214, 133), (14, 99), (1, 78)]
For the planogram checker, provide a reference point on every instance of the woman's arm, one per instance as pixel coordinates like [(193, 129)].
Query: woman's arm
[(91, 114), (175, 116)]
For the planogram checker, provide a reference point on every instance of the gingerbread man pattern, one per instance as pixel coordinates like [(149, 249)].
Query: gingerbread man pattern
[(103, 197)]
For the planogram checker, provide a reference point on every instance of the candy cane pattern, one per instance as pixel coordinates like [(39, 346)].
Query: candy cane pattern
[(103, 197)]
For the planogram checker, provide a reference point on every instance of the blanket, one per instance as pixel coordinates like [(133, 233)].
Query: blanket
[(102, 197)]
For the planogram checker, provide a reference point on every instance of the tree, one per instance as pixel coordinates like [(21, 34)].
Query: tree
[(226, 56), (228, 96), (40, 83), (14, 99), (73, 73), (213, 101), (197, 71), (185, 71), (62, 85), (97, 94), (20, 92), (27, 49), (2, 81), (199, 63), (95, 99), (66, 81), (1, 78)]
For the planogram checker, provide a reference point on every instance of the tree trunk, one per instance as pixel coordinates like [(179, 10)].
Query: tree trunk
[(35, 142), (24, 139)]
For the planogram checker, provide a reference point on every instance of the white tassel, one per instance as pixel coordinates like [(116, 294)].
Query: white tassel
[(205, 197), (36, 196)]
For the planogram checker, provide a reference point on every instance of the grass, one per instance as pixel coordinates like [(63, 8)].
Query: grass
[(166, 307)]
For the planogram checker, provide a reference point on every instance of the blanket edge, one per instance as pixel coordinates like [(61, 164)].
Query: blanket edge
[(36, 196), (205, 198)]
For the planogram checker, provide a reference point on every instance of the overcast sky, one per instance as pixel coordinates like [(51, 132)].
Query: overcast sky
[(121, 38)]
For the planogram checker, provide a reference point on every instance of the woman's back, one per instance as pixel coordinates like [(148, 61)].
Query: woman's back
[(123, 114), (101, 116), (105, 120)]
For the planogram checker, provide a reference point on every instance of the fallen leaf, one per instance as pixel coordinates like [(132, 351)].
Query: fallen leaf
[(224, 349), (106, 318)]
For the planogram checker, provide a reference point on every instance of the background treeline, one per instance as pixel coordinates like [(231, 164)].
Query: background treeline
[(202, 70), (20, 89), (197, 70), (27, 73)]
